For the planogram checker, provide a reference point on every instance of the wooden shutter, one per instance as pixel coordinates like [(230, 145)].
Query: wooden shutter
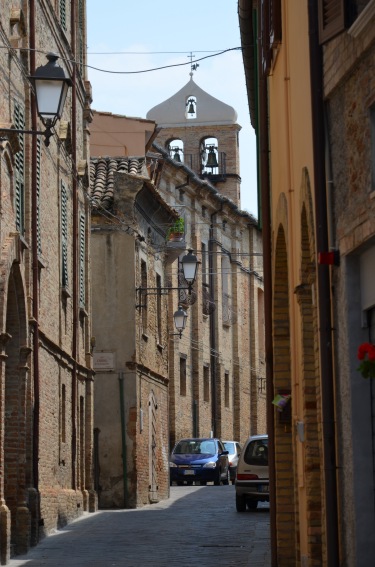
[(19, 123), (64, 236), (275, 23), (331, 18), (82, 254), (62, 7), (38, 187)]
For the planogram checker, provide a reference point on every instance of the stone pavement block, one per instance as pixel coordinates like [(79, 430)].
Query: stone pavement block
[(196, 525)]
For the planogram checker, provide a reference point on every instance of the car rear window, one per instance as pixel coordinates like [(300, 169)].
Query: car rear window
[(190, 447), (229, 447), (256, 452)]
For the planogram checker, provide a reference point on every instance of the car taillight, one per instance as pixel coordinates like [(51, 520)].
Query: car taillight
[(247, 476)]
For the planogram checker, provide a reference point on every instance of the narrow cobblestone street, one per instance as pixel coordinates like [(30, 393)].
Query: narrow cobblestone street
[(196, 526)]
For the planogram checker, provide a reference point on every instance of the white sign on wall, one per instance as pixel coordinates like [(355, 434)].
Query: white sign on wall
[(104, 361)]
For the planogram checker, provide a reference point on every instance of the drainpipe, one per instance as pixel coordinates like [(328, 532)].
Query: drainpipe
[(265, 191), (123, 438), (75, 245), (35, 267), (324, 291), (213, 360), (212, 326)]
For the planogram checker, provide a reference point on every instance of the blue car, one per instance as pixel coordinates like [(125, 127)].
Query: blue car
[(199, 460)]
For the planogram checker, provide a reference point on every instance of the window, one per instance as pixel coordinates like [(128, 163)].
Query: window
[(331, 15), (206, 383), (144, 294), (63, 413), (182, 376), (225, 289), (63, 18), (80, 38), (82, 255), (226, 389), (372, 126), (38, 186), (158, 308), (204, 263), (64, 236), (19, 123)]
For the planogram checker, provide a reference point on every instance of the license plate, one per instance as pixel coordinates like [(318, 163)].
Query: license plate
[(263, 488), (189, 472)]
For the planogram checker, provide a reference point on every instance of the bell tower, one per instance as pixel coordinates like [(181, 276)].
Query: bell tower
[(202, 132)]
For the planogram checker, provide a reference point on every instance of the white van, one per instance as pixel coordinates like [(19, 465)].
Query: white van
[(252, 479)]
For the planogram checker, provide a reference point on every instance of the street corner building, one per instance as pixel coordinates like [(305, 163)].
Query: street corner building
[(46, 377)]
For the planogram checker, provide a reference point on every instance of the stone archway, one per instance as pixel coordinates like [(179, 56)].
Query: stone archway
[(310, 444), (284, 453), (17, 424)]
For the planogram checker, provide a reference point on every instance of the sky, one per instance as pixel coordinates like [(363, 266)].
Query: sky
[(126, 36)]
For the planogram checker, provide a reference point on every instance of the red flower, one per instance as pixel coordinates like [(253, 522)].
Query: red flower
[(366, 348)]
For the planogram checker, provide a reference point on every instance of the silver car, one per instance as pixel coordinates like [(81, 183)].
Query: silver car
[(252, 480), (234, 451)]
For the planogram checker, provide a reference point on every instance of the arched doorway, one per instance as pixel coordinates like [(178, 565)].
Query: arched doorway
[(17, 414), (284, 453)]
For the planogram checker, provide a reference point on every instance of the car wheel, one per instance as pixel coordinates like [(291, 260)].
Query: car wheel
[(227, 480), (252, 504), (240, 503), (217, 480)]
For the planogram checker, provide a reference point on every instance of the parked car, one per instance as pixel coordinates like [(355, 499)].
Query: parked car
[(234, 451), (252, 480), (199, 460)]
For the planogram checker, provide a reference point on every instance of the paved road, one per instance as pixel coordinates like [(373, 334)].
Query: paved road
[(196, 526)]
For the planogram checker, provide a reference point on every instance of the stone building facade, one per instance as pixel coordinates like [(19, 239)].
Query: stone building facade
[(217, 368), (312, 74), (46, 377), (130, 326)]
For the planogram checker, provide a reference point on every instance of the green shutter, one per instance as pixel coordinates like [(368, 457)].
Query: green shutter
[(82, 254), (38, 187), (64, 236), (19, 123), (63, 14)]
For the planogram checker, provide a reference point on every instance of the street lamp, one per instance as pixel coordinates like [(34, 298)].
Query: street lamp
[(50, 87), (180, 318), (189, 266)]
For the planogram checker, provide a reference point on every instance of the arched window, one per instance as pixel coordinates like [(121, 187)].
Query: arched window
[(191, 107), (209, 153), (176, 149)]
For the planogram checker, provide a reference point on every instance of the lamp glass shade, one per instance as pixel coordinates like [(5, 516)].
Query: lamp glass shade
[(189, 266), (51, 87), (180, 318), (50, 97)]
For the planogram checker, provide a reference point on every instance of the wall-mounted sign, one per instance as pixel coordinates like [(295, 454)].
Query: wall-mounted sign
[(104, 361)]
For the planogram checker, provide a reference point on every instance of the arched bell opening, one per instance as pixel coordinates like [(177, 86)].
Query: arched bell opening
[(175, 148)]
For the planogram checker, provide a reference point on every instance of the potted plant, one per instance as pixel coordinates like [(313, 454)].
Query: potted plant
[(366, 354), (177, 230)]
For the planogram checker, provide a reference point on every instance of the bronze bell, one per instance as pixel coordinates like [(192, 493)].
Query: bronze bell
[(191, 109), (176, 156), (211, 159)]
